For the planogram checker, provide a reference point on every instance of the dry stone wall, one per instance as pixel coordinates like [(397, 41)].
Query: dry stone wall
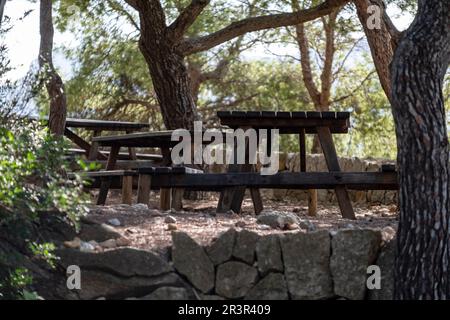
[(241, 264)]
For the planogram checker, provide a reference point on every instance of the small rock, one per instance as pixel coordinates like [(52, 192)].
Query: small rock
[(264, 227), (388, 233), (172, 227), (94, 243), (74, 244), (170, 219), (108, 244), (123, 242), (140, 207), (307, 225), (292, 226), (86, 247), (114, 222)]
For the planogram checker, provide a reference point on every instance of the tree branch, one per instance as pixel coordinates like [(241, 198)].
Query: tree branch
[(236, 29), (186, 18)]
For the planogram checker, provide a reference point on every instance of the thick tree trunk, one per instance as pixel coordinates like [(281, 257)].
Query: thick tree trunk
[(418, 69), (167, 69), (53, 82)]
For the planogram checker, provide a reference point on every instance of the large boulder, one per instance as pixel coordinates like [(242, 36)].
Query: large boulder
[(245, 246), (221, 249), (96, 284), (268, 253), (306, 265), (97, 231), (277, 220), (386, 262), (272, 287), (191, 260), (353, 251), (234, 279), (126, 262)]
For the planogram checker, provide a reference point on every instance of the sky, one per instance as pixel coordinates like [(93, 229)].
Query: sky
[(23, 40)]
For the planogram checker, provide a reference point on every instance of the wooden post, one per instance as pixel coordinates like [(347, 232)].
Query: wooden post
[(131, 150), (144, 186), (93, 151), (165, 194), (106, 183), (312, 193), (329, 151), (127, 189), (177, 199)]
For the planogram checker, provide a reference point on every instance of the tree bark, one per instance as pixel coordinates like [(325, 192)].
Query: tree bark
[(382, 42), (2, 8), (420, 63), (53, 82)]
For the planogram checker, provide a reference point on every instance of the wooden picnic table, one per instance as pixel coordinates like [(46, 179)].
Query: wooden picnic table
[(324, 124), (98, 126), (154, 139)]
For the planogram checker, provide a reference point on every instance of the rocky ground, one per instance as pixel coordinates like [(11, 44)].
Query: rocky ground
[(148, 228)]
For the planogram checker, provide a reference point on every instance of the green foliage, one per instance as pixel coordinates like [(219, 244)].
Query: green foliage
[(16, 284), (44, 251), (32, 174)]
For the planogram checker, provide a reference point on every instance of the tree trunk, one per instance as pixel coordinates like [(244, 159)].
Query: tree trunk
[(2, 8), (382, 42), (167, 69), (53, 82), (418, 69)]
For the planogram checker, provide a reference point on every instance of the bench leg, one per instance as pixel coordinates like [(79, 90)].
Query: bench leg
[(177, 199), (144, 186), (103, 193), (257, 201), (165, 195), (127, 189), (329, 152)]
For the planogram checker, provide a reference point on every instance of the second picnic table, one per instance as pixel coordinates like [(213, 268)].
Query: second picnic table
[(324, 124)]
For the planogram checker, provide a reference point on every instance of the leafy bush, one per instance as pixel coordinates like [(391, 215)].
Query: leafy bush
[(33, 174)]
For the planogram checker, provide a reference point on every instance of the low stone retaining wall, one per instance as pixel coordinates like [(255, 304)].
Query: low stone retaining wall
[(316, 163), (242, 265)]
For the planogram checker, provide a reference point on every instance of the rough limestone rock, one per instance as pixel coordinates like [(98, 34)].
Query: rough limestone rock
[(97, 232), (234, 279), (272, 287), (210, 297), (268, 253), (167, 293), (386, 262), (278, 220), (126, 262), (95, 284), (191, 261), (245, 246), (306, 264), (221, 249), (353, 251)]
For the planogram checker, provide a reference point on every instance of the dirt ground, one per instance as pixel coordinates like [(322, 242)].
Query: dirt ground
[(151, 229)]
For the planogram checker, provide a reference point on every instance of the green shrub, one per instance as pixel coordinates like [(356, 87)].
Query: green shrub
[(33, 174)]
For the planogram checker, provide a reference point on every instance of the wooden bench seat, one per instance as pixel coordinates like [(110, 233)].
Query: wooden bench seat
[(121, 156)]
